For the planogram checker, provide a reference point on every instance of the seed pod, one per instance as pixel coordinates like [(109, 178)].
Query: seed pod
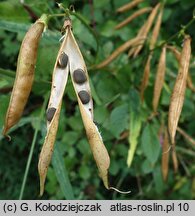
[(79, 76), (174, 159), (47, 149), (178, 93), (95, 140), (165, 156), (24, 73), (133, 16), (177, 55), (139, 34), (132, 42), (50, 113), (63, 60), (159, 81), (59, 80), (129, 6), (84, 96), (156, 30), (147, 28), (145, 78)]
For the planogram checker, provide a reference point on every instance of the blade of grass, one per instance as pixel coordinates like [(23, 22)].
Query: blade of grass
[(61, 174), (32, 148)]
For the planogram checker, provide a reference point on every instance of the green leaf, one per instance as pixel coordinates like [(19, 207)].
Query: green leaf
[(84, 172), (61, 173), (150, 143), (158, 181), (13, 10), (100, 3), (119, 120), (107, 29), (147, 167), (135, 125)]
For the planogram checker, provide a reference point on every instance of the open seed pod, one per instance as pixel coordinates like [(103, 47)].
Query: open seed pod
[(70, 58), (59, 80), (80, 81)]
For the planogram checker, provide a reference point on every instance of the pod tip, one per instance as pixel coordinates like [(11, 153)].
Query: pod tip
[(119, 191), (4, 133)]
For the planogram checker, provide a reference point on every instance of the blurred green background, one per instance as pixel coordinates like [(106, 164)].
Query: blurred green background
[(115, 89)]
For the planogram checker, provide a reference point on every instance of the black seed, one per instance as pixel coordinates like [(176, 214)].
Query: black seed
[(79, 76), (63, 60), (84, 96), (50, 113)]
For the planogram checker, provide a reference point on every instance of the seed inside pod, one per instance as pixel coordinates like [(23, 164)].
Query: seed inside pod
[(63, 60), (79, 76), (50, 113), (84, 96)]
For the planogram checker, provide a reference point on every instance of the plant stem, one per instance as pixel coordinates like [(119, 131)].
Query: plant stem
[(32, 149), (179, 33)]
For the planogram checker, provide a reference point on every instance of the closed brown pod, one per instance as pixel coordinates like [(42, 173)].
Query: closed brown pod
[(24, 73)]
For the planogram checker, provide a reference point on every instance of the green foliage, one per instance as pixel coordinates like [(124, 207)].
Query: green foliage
[(150, 143), (124, 121)]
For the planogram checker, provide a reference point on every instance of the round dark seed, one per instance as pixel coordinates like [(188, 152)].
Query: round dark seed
[(84, 96), (63, 60), (79, 76), (50, 113)]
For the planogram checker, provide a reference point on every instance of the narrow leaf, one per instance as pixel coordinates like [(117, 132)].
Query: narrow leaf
[(61, 174), (134, 126)]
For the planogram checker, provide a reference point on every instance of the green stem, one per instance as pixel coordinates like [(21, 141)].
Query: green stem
[(32, 149), (56, 15)]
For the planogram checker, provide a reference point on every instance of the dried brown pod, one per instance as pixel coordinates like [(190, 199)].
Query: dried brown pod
[(159, 80), (24, 73), (177, 97), (133, 16), (139, 34), (147, 28), (118, 51), (129, 6), (145, 78), (165, 155), (156, 30), (174, 159), (177, 55)]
